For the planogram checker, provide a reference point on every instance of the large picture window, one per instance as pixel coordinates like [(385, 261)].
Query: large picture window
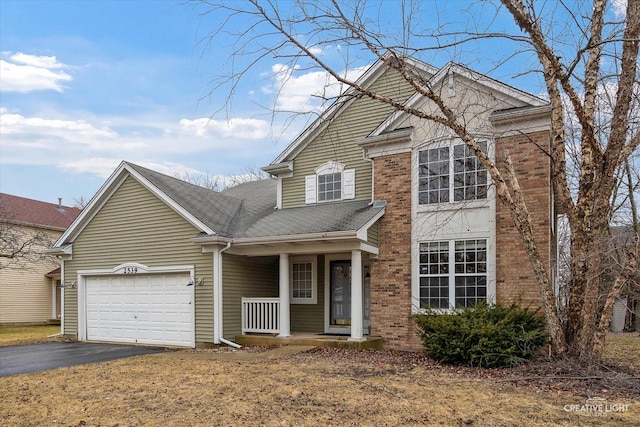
[(447, 174), (453, 273)]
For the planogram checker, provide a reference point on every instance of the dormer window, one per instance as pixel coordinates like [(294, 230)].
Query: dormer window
[(331, 182)]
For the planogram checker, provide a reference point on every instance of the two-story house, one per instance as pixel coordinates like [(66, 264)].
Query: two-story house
[(369, 215), (29, 281)]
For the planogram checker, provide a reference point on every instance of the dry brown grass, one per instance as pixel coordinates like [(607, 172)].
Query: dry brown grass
[(623, 349), (17, 335), (327, 388)]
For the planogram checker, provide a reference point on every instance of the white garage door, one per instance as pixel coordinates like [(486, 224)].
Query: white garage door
[(146, 309)]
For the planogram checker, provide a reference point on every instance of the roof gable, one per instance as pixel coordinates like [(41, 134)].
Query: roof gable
[(208, 211), (450, 71), (433, 74), (20, 210), (372, 74)]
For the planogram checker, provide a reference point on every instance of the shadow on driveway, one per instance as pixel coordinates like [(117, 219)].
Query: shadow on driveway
[(22, 359)]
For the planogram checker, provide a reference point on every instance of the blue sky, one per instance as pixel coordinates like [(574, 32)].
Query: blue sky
[(87, 84)]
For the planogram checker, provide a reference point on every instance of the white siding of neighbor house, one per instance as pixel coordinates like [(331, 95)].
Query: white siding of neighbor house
[(136, 226), (26, 296)]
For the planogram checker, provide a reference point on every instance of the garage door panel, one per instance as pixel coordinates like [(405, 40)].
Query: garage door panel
[(148, 309)]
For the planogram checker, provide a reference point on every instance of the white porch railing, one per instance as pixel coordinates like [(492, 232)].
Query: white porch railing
[(261, 315)]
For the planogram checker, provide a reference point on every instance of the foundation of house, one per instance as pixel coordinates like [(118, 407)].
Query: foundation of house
[(309, 339)]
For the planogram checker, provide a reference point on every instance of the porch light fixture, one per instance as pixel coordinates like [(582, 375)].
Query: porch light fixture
[(196, 282)]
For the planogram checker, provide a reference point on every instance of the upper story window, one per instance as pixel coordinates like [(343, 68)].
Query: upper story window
[(330, 182), (451, 173), (329, 186)]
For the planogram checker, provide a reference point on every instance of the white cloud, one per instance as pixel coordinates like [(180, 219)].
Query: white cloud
[(239, 128), (100, 166), (305, 92), (104, 166), (25, 73), (619, 7), (96, 145)]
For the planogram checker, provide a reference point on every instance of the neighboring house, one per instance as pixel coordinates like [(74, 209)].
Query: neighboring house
[(626, 310), (30, 282), (369, 215)]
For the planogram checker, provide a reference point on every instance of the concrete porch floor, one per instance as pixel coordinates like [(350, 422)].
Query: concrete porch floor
[(309, 339)]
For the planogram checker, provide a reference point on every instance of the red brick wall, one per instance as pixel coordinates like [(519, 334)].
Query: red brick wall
[(391, 272), (515, 276)]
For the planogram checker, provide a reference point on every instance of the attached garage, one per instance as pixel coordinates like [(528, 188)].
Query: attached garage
[(138, 307)]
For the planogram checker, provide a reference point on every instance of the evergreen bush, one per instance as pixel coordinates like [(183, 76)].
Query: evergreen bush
[(487, 335)]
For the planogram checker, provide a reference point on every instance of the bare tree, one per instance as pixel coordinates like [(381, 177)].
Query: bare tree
[(581, 55), (80, 202), (222, 182), (21, 245)]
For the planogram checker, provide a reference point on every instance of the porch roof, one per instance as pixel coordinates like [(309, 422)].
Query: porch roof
[(325, 218)]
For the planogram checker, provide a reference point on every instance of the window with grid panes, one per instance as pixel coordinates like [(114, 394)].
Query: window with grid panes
[(330, 186), (451, 175), (302, 280), (453, 273)]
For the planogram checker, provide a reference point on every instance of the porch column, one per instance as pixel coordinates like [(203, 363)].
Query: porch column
[(285, 327), (357, 311)]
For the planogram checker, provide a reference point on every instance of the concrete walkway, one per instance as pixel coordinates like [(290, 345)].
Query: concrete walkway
[(238, 355)]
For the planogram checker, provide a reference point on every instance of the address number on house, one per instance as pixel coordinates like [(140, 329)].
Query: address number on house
[(130, 270)]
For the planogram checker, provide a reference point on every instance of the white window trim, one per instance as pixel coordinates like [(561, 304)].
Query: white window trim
[(451, 204), (314, 279), (490, 273)]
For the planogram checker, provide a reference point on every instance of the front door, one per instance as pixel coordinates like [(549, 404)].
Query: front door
[(340, 294)]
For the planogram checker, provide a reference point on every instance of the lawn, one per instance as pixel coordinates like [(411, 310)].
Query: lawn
[(319, 387), (15, 335)]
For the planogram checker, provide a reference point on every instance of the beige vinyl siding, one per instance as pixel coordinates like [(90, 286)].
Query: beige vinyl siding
[(337, 142), (373, 235), (26, 296), (245, 277), (310, 317), (136, 226)]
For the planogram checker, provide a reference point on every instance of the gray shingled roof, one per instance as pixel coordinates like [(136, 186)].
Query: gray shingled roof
[(214, 209), (324, 218), (248, 210)]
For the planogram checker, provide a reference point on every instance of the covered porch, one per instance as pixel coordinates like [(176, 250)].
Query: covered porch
[(300, 269), (322, 297)]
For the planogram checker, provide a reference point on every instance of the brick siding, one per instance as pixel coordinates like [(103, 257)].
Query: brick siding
[(391, 272), (515, 276)]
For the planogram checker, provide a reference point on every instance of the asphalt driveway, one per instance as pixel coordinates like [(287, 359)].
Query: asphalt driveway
[(22, 359)]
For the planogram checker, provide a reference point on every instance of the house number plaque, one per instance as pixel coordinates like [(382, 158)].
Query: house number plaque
[(130, 270)]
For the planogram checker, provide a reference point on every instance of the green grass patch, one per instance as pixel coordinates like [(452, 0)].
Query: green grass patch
[(15, 335)]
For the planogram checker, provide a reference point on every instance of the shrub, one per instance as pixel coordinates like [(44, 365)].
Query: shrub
[(483, 335)]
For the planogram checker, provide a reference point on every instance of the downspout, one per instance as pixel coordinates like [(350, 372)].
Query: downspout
[(217, 300)]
